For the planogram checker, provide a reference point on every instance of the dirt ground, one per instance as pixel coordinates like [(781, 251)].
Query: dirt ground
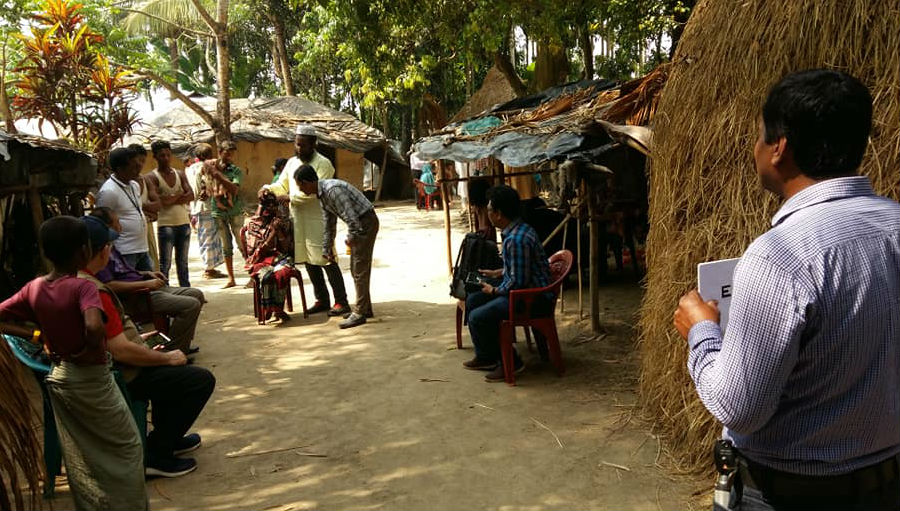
[(383, 416)]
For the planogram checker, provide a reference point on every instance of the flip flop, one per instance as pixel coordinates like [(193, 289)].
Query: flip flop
[(228, 285), (214, 274)]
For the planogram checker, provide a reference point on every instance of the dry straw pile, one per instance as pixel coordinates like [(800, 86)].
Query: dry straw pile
[(21, 464), (705, 200)]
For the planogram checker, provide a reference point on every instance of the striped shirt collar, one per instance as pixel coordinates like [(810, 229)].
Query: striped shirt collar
[(824, 191)]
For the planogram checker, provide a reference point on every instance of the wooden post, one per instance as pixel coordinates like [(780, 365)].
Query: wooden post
[(580, 285), (446, 206), (37, 217), (562, 288), (383, 171), (595, 259)]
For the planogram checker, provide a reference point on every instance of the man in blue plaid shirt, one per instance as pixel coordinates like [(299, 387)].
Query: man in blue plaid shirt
[(525, 266), (806, 378)]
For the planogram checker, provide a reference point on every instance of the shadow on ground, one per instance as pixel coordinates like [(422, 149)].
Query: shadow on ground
[(383, 416)]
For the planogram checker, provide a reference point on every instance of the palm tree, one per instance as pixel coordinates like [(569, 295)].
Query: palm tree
[(169, 20), (196, 12)]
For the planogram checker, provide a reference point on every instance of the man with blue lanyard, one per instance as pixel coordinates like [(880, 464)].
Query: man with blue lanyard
[(122, 194)]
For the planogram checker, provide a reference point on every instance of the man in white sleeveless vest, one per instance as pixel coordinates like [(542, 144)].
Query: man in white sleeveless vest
[(173, 226)]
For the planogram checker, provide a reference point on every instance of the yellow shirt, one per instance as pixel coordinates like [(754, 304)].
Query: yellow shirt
[(306, 213)]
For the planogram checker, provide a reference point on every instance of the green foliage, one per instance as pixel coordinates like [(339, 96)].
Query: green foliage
[(373, 57), (66, 80)]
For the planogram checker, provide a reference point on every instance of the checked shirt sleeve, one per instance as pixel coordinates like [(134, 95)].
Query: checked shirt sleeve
[(741, 377), (330, 220), (517, 261)]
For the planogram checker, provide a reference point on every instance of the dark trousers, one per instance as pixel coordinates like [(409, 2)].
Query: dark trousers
[(484, 314), (177, 395), (882, 496), (335, 278), (179, 238)]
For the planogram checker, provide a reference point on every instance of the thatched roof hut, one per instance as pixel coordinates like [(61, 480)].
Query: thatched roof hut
[(495, 90), (263, 129), (705, 200), (39, 178)]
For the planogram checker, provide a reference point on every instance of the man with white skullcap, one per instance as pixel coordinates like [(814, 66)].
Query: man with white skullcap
[(309, 226)]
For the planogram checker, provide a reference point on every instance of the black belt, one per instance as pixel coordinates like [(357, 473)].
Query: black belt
[(776, 482)]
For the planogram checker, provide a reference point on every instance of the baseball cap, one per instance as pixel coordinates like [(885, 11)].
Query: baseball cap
[(98, 232)]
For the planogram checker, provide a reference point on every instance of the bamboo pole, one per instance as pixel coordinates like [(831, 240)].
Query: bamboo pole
[(498, 177), (558, 228), (37, 218), (580, 285), (595, 261), (562, 294), (445, 203)]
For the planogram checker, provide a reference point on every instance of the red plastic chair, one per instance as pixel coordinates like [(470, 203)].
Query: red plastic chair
[(560, 266), (428, 197), (257, 308), (520, 305)]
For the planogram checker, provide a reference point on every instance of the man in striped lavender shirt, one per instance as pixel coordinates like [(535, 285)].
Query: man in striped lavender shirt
[(806, 380)]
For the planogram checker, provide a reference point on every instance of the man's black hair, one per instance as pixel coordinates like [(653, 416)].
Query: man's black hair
[(119, 158), (306, 173), (279, 163), (103, 213), (159, 145), (826, 117), (62, 238), (504, 199), (138, 149)]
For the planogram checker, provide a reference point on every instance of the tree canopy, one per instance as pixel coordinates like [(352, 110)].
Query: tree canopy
[(401, 65)]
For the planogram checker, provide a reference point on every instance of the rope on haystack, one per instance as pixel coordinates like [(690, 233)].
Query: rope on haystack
[(705, 199)]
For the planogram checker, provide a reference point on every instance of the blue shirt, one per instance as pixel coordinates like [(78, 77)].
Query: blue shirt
[(427, 177), (807, 377), (524, 264)]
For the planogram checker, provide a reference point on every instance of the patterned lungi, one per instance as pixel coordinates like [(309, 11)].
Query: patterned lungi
[(208, 237)]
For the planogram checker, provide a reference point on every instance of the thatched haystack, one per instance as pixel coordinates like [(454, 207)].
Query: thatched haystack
[(705, 200), (21, 463), (495, 90)]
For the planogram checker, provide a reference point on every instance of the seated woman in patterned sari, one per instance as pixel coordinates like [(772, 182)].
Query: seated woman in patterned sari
[(269, 244)]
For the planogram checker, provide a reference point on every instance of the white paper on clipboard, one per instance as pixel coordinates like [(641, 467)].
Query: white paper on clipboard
[(714, 280)]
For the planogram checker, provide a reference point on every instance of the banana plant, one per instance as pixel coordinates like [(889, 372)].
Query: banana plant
[(66, 81)]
